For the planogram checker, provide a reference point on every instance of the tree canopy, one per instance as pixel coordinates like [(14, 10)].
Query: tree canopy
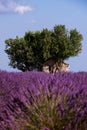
[(34, 48)]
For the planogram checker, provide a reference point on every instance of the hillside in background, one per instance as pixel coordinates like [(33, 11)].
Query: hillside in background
[(41, 101)]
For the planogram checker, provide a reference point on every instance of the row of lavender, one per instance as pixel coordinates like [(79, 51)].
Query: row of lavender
[(41, 101)]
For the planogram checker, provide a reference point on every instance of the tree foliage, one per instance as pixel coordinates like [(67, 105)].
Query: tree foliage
[(34, 48)]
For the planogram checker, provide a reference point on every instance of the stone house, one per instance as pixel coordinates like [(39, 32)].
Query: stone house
[(52, 66)]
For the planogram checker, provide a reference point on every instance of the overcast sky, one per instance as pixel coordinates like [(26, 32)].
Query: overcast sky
[(20, 16)]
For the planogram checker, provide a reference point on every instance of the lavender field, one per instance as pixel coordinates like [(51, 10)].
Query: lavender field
[(41, 101)]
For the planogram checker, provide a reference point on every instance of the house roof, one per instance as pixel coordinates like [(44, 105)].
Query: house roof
[(52, 62)]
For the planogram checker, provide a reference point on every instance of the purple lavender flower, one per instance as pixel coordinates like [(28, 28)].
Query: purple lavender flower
[(40, 101)]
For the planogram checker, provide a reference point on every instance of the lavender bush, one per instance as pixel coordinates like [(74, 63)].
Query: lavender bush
[(41, 101)]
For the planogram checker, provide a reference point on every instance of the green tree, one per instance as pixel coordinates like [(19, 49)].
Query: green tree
[(35, 48)]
